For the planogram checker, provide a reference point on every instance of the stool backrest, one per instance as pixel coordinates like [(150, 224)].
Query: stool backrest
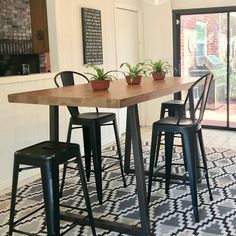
[(197, 104), (67, 78)]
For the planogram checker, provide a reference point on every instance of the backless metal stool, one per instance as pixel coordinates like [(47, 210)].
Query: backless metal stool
[(48, 156)]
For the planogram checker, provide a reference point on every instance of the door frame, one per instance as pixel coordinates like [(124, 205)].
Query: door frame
[(133, 8), (176, 47)]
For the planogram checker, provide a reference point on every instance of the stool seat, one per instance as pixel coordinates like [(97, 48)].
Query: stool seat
[(173, 108), (47, 156), (95, 116), (174, 102), (48, 150)]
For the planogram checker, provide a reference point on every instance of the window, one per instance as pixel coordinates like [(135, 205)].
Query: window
[(201, 38)]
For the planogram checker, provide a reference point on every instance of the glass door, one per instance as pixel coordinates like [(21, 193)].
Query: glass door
[(205, 41)]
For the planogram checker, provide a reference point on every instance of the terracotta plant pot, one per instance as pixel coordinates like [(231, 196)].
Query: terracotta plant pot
[(98, 85), (158, 75), (135, 81)]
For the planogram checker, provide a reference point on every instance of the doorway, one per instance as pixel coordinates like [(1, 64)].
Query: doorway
[(205, 41), (127, 43)]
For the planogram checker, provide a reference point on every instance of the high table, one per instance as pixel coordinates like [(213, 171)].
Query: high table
[(119, 95)]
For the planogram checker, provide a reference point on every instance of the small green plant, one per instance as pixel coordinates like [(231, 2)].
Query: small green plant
[(134, 71), (159, 66), (100, 74)]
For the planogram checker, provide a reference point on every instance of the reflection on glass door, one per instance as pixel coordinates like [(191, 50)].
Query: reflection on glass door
[(203, 49), (232, 71)]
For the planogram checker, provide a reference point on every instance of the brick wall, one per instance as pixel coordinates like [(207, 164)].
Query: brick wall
[(15, 27), (15, 20), (16, 35), (216, 25)]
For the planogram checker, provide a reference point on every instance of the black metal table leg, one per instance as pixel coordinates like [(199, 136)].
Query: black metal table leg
[(139, 169), (128, 142), (127, 147)]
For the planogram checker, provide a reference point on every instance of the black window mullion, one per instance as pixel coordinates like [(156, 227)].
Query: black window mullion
[(228, 67)]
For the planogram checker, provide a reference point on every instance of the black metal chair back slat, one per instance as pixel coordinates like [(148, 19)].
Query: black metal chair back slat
[(67, 79), (199, 103)]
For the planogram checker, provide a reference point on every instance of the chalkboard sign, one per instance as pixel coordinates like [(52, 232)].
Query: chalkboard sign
[(92, 36)]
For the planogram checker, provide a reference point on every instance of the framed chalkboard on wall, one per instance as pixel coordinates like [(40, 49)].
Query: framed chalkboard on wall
[(92, 36)]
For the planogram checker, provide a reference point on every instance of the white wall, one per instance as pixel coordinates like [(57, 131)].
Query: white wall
[(157, 38), (21, 124)]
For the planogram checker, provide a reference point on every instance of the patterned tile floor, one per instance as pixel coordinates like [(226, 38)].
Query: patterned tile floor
[(170, 215)]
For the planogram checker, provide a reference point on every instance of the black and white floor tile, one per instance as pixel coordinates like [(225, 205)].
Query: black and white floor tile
[(169, 215)]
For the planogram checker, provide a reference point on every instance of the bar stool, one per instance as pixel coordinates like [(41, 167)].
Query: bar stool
[(90, 123), (190, 130), (172, 108), (48, 156)]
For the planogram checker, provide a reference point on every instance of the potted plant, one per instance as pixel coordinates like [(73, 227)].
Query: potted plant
[(159, 69), (134, 73), (101, 79)]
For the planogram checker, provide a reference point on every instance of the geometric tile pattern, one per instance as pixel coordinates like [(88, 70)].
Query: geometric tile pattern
[(170, 215)]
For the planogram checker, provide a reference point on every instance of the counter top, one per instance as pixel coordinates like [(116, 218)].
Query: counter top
[(25, 78)]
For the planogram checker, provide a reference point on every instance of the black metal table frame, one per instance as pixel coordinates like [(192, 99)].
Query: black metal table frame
[(132, 135)]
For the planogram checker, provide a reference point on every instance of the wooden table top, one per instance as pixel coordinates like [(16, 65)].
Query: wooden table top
[(117, 96)]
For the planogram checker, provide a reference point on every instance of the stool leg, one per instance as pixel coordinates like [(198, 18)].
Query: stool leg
[(190, 143), (50, 182), (200, 138), (87, 151), (152, 159), (162, 115), (13, 195), (63, 179), (99, 158), (119, 150), (184, 154), (85, 190), (96, 160), (65, 165), (158, 147), (169, 138), (69, 132)]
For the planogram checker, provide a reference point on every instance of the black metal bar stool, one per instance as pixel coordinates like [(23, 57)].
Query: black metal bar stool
[(90, 123), (191, 131), (172, 108), (48, 156)]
